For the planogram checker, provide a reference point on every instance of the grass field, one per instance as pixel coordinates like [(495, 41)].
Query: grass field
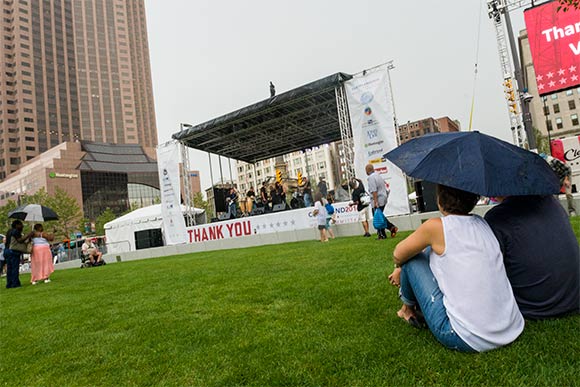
[(293, 314)]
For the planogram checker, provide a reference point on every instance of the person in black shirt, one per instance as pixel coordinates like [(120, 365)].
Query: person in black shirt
[(541, 254), (358, 192), (13, 257), (264, 196), (307, 192)]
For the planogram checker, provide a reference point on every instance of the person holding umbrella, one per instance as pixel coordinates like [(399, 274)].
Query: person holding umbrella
[(41, 259), (13, 257)]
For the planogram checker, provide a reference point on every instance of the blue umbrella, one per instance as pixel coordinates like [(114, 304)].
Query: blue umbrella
[(475, 162)]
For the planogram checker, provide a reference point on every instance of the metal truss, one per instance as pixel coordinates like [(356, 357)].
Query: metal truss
[(187, 194), (345, 131)]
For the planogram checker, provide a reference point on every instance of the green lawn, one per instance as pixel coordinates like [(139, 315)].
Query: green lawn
[(295, 314)]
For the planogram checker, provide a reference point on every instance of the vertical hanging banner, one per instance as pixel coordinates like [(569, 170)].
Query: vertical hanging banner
[(373, 131), (174, 229)]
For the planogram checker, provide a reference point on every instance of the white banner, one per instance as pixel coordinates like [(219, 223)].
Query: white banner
[(299, 219), (374, 134), (174, 230)]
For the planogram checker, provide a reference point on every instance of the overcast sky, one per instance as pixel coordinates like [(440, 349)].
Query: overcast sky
[(209, 58)]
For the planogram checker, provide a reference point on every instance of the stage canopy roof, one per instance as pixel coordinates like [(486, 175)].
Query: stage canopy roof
[(295, 120)]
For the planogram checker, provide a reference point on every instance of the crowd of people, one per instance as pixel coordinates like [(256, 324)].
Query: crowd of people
[(274, 197)]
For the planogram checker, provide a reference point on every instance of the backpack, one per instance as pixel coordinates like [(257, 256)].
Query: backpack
[(329, 208)]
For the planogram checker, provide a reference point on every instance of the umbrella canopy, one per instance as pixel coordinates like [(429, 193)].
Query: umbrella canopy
[(475, 162), (33, 213)]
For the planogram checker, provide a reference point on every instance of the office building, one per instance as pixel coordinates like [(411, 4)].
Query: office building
[(425, 126), (73, 70)]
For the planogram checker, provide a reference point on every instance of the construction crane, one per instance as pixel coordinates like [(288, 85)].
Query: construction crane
[(516, 96)]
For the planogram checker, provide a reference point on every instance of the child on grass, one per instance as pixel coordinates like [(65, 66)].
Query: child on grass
[(330, 215), (320, 213)]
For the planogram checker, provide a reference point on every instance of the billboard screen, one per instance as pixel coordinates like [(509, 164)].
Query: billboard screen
[(555, 45)]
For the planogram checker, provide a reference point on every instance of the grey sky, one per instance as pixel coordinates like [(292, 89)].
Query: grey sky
[(211, 57)]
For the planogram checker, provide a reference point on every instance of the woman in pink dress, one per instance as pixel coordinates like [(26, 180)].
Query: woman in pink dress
[(41, 259)]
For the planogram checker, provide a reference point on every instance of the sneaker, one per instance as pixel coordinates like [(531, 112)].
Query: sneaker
[(394, 232), (47, 280), (367, 235), (34, 282)]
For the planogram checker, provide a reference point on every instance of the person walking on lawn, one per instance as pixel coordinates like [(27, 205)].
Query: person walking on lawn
[(380, 197)]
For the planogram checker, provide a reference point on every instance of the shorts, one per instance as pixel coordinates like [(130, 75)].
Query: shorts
[(322, 227), (364, 214)]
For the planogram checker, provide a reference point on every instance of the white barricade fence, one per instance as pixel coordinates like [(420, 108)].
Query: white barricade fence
[(299, 219)]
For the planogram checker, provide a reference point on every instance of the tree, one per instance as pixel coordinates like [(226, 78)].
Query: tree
[(566, 5), (542, 142), (107, 216), (5, 222), (199, 202), (69, 213)]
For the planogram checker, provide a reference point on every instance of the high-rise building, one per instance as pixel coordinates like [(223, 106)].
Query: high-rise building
[(556, 114), (73, 70)]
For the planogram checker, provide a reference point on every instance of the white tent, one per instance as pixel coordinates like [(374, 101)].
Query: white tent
[(120, 232)]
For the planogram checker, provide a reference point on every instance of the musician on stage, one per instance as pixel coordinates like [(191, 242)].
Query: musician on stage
[(264, 196), (250, 199), (232, 203)]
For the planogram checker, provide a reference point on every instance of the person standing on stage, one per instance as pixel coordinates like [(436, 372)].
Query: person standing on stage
[(379, 198), (307, 191), (264, 196), (323, 187)]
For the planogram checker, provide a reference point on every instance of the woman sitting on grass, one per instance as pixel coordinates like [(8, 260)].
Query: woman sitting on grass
[(452, 273)]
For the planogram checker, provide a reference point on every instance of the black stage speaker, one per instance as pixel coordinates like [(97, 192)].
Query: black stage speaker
[(426, 196), (220, 195)]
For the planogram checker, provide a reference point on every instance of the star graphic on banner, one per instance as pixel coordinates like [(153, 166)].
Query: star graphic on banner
[(278, 224), (562, 81), (550, 74), (539, 78), (552, 84), (285, 223), (572, 69), (271, 225), (292, 222), (561, 72), (264, 226), (574, 78), (541, 86)]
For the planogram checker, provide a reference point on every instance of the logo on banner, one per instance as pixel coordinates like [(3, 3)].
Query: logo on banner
[(366, 98), (368, 111)]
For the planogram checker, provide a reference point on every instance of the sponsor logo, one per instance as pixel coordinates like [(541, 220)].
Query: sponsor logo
[(373, 143), (56, 175), (377, 161), (368, 111), (572, 154), (373, 133), (374, 152), (382, 170), (366, 97)]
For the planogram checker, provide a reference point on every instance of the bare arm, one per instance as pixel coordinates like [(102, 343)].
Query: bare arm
[(376, 199), (429, 233)]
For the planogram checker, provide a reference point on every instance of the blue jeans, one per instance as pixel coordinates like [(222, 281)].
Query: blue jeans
[(418, 285), (308, 200)]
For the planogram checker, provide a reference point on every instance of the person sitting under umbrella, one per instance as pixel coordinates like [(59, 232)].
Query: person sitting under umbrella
[(541, 254), (452, 271)]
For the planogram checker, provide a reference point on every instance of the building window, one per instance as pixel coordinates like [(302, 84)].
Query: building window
[(556, 108), (574, 118), (559, 124), (546, 110), (572, 104), (554, 96)]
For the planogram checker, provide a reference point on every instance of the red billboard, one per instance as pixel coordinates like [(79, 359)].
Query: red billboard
[(555, 45)]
